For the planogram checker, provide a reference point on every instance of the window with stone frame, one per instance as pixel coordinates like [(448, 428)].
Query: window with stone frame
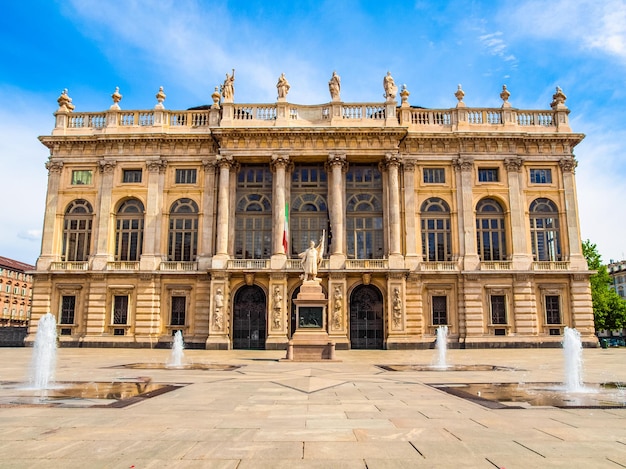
[(544, 230), (540, 176), (434, 175), (498, 309), (186, 176), (553, 309), (490, 238), (77, 228), (439, 306), (68, 310), (120, 309), (364, 212), (82, 177), (183, 231), (253, 213), (488, 175), (131, 175), (436, 231), (129, 231), (178, 311)]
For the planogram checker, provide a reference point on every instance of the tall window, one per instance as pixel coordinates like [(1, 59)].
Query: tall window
[(498, 309), (183, 231), (308, 216), (68, 308), (490, 230), (364, 212), (544, 230), (440, 310), (179, 304), (253, 215), (77, 231), (129, 231), (435, 227), (553, 309), (120, 309)]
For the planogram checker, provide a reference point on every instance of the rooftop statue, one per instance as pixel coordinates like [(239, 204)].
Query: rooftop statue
[(334, 86), (282, 86), (228, 88), (390, 87)]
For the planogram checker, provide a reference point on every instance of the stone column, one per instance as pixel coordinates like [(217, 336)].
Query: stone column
[(224, 163), (520, 257), (392, 164), (337, 166), (467, 223), (104, 216), (48, 254), (279, 165), (152, 255), (576, 258), (208, 215), (411, 258)]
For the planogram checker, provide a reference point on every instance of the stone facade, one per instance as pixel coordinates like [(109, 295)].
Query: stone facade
[(15, 292), (160, 220)]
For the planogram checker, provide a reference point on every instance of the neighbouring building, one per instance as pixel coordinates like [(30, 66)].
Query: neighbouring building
[(16, 283), (159, 220)]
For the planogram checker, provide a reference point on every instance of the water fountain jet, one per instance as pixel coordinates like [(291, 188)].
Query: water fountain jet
[(441, 345), (573, 355), (177, 354), (44, 353)]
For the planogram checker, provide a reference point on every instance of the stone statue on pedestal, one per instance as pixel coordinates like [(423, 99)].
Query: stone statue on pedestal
[(311, 259)]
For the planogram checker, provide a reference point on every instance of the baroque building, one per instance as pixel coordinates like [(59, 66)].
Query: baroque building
[(15, 292), (160, 220)]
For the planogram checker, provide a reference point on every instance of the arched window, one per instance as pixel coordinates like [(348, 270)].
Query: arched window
[(544, 230), (364, 213), (309, 218), (490, 231), (435, 227), (253, 214), (183, 231), (77, 225), (129, 231)]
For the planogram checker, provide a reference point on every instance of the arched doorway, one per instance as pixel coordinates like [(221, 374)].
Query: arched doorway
[(367, 329), (249, 321)]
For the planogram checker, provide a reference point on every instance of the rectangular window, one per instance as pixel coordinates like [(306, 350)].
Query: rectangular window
[(488, 175), (82, 177), (541, 176), (434, 175), (178, 310), (185, 176), (440, 310), (131, 175), (553, 309), (120, 309), (498, 309), (68, 307)]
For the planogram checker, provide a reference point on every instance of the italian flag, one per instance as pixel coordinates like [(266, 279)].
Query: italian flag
[(286, 229)]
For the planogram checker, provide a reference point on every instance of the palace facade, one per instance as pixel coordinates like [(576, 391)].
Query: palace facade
[(158, 221)]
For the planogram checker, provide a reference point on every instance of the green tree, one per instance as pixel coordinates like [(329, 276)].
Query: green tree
[(609, 309)]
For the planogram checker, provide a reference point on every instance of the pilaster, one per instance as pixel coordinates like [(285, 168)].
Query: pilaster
[(151, 256), (104, 217), (520, 256)]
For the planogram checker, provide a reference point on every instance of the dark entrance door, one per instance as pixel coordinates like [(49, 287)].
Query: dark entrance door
[(367, 329), (249, 323)]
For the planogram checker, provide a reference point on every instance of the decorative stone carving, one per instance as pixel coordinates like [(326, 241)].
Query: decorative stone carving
[(514, 164), (277, 308), (54, 166), (338, 160), (404, 95), (116, 97), (337, 308), (160, 97), (279, 160), (505, 97), (392, 159), (208, 165), (568, 165), (228, 88), (558, 99), (463, 164), (107, 166), (216, 98), (65, 102), (460, 94), (282, 86), (397, 309), (225, 161), (390, 87), (156, 166), (334, 86), (218, 310)]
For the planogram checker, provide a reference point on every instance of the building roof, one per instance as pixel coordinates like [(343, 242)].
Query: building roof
[(15, 265)]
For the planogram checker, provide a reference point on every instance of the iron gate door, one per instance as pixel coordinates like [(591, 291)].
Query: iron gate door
[(249, 322), (367, 330)]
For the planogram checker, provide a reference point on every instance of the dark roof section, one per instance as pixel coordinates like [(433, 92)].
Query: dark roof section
[(15, 265)]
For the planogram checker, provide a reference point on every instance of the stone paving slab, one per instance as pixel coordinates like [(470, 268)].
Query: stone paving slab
[(276, 414)]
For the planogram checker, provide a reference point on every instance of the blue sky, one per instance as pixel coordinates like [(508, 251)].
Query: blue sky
[(90, 47)]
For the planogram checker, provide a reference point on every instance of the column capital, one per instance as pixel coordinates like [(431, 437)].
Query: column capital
[(107, 166), (223, 161), (209, 164), (568, 165), (280, 160), (54, 167), (337, 159), (463, 163), (513, 165), (392, 159), (156, 166), (408, 164)]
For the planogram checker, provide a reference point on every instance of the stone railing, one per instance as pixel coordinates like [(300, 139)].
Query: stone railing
[(123, 265), (248, 264), (445, 266), (69, 266), (496, 265), (550, 265), (296, 264), (330, 114), (369, 264), (171, 266)]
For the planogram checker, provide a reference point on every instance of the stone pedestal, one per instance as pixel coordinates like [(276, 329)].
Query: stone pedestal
[(310, 341)]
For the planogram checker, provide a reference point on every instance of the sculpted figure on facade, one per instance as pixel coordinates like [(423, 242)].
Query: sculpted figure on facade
[(278, 307), (311, 259), (334, 86), (228, 88), (218, 318), (397, 307), (390, 87), (337, 307), (282, 86)]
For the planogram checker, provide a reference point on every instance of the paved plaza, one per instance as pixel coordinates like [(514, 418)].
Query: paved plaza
[(346, 414)]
